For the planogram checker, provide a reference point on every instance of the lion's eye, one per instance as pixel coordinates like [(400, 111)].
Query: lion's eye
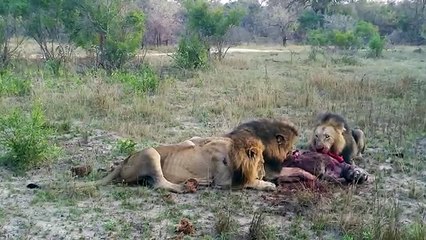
[(327, 136), (316, 135)]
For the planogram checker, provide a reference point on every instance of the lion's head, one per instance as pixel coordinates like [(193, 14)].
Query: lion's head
[(328, 135), (246, 159), (278, 137)]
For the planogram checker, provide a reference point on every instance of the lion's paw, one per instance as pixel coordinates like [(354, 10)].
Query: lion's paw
[(270, 186), (191, 185)]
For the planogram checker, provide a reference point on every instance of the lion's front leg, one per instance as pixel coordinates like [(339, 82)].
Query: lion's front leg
[(261, 185)]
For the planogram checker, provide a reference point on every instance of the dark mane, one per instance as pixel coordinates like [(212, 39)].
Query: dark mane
[(329, 116), (267, 131)]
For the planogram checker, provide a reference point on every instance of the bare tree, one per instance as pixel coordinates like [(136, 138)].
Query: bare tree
[(163, 22), (283, 16), (9, 27)]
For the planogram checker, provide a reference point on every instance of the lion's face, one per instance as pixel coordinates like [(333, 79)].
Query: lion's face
[(277, 151), (284, 145), (325, 137), (278, 137)]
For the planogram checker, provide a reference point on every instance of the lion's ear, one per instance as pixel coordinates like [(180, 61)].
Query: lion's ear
[(252, 153), (280, 139), (341, 128)]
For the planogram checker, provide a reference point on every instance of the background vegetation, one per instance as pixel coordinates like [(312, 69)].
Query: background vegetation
[(88, 82)]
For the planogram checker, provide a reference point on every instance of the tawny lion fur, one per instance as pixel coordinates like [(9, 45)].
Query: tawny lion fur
[(236, 159), (332, 133), (211, 161), (277, 135)]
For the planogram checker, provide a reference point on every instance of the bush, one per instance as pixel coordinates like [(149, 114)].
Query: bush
[(112, 29), (340, 39), (344, 40), (191, 53), (123, 40), (10, 85), (366, 31), (25, 139), (376, 45), (143, 81), (125, 146), (318, 38)]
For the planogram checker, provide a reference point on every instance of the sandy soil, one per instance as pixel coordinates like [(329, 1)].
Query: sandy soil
[(118, 212)]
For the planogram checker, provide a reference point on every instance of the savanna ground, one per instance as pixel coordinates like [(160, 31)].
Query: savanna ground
[(91, 113)]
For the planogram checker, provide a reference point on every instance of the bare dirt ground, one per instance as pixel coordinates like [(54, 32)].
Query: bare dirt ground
[(392, 205), (117, 212)]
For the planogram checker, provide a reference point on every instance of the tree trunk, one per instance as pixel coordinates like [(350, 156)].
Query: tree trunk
[(284, 40)]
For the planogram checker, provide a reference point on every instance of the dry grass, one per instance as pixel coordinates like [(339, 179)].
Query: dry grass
[(385, 97)]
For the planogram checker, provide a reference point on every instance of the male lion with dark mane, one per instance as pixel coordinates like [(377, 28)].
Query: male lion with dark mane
[(234, 160), (211, 160), (332, 135), (278, 137)]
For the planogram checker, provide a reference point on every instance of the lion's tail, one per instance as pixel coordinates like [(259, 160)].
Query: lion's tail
[(104, 181)]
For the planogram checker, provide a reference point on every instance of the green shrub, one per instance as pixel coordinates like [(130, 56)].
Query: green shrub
[(25, 139), (366, 31), (344, 40), (318, 38), (114, 30), (191, 53), (125, 146), (10, 85), (124, 40), (376, 46), (53, 65), (143, 81)]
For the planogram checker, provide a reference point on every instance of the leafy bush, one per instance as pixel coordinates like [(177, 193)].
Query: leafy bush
[(10, 85), (125, 146), (143, 81), (340, 39), (344, 40), (366, 31), (25, 139), (212, 22), (114, 31), (53, 65), (124, 40), (191, 53), (318, 38), (376, 45)]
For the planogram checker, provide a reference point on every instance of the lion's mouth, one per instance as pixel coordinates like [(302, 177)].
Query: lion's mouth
[(322, 150)]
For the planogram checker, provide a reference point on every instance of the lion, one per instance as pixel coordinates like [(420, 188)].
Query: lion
[(332, 134), (277, 135), (219, 161)]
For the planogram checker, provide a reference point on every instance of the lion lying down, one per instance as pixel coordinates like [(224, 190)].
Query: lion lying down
[(218, 161), (235, 159), (310, 165)]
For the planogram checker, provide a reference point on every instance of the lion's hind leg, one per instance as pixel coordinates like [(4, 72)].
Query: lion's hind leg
[(147, 163)]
